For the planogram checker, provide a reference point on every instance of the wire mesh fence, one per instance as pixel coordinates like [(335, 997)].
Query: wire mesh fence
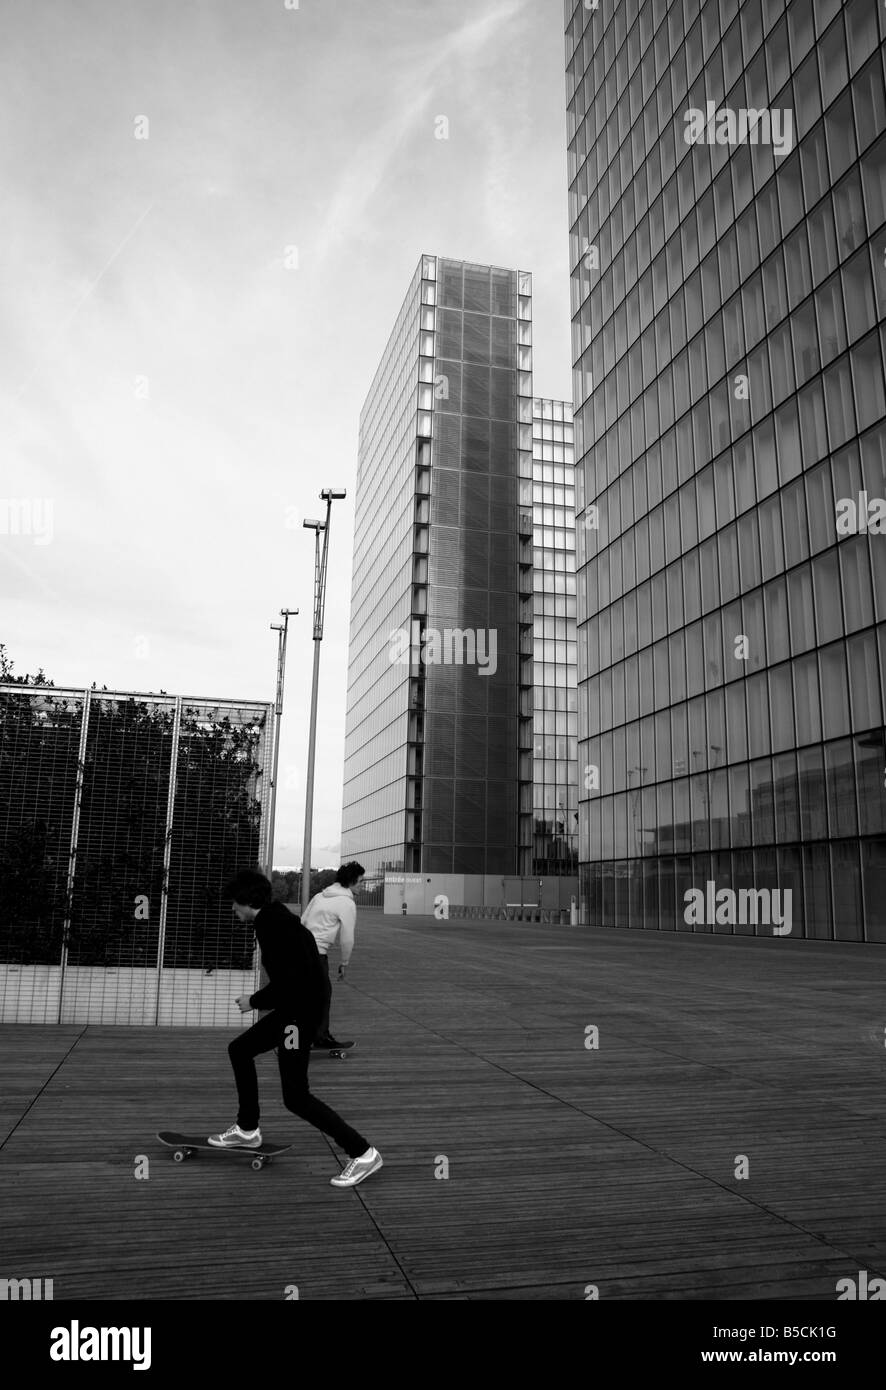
[(122, 816)]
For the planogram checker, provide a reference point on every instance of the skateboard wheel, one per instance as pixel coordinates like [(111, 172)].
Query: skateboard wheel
[(258, 1164), (179, 1155)]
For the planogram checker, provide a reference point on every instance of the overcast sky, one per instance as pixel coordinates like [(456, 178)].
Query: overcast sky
[(176, 389)]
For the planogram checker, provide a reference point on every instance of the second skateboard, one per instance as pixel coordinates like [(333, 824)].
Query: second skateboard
[(340, 1050)]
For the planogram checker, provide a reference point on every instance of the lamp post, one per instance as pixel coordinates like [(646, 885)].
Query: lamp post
[(282, 629), (328, 495)]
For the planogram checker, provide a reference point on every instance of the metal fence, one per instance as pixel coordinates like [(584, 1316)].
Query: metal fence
[(122, 815)]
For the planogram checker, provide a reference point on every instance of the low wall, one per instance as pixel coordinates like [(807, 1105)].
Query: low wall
[(493, 893), (92, 994)]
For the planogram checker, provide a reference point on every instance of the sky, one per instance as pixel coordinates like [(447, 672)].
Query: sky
[(211, 213)]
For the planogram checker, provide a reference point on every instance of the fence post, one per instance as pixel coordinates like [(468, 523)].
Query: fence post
[(167, 847), (72, 852)]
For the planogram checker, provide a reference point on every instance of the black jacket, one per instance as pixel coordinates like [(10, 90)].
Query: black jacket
[(289, 955)]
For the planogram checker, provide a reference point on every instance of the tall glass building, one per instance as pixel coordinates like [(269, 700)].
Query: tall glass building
[(445, 437), (729, 328), (462, 510), (553, 793)]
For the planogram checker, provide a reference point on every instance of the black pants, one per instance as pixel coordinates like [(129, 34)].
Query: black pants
[(323, 1030), (270, 1032)]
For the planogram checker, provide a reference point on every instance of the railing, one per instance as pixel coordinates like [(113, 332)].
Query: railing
[(552, 916), (124, 815)]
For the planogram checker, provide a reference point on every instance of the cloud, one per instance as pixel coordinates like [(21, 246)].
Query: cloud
[(410, 101)]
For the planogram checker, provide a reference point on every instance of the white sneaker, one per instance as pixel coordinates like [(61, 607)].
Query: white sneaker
[(358, 1169), (237, 1138)]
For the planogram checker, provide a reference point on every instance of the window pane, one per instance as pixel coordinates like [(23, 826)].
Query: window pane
[(787, 800), (839, 402), (867, 374), (870, 757), (762, 801), (771, 546), (806, 699), (857, 595), (858, 295), (749, 550), (758, 714), (804, 328), (873, 866), (873, 178), (827, 596), (820, 507), (796, 539), (831, 324), (840, 765), (729, 576), (846, 878), (736, 722), (834, 693), (813, 796), (777, 631), (782, 708), (864, 682)]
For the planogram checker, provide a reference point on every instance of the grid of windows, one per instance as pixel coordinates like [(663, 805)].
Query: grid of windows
[(376, 730), (445, 442), (554, 816), (729, 336), (482, 375)]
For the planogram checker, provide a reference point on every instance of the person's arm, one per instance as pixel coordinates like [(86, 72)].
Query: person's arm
[(348, 915), (266, 997), (263, 998)]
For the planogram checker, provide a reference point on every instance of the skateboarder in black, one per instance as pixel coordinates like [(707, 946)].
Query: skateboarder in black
[(295, 994)]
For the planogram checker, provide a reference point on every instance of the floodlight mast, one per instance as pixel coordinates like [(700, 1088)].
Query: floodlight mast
[(282, 629), (321, 553)]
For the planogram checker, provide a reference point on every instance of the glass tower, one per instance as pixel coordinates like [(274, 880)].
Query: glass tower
[(729, 327), (551, 826), (442, 580)]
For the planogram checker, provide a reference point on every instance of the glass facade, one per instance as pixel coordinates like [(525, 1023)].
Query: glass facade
[(729, 328), (394, 452), (549, 828), (482, 367), (448, 580)]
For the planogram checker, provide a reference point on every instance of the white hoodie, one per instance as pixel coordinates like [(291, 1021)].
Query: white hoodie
[(328, 911)]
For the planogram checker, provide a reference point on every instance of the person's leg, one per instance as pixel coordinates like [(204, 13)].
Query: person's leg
[(323, 1030), (297, 1097), (261, 1037)]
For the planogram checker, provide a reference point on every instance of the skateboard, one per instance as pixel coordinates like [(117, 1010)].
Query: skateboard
[(340, 1052), (186, 1145)]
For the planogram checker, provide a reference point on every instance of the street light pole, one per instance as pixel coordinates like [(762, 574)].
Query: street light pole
[(282, 629), (328, 495)]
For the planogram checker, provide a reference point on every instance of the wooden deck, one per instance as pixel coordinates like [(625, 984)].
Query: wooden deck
[(567, 1166)]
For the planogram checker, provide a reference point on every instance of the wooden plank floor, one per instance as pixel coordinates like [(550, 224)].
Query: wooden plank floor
[(567, 1166)]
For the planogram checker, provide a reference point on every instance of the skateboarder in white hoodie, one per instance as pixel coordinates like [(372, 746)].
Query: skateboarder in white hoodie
[(329, 912)]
